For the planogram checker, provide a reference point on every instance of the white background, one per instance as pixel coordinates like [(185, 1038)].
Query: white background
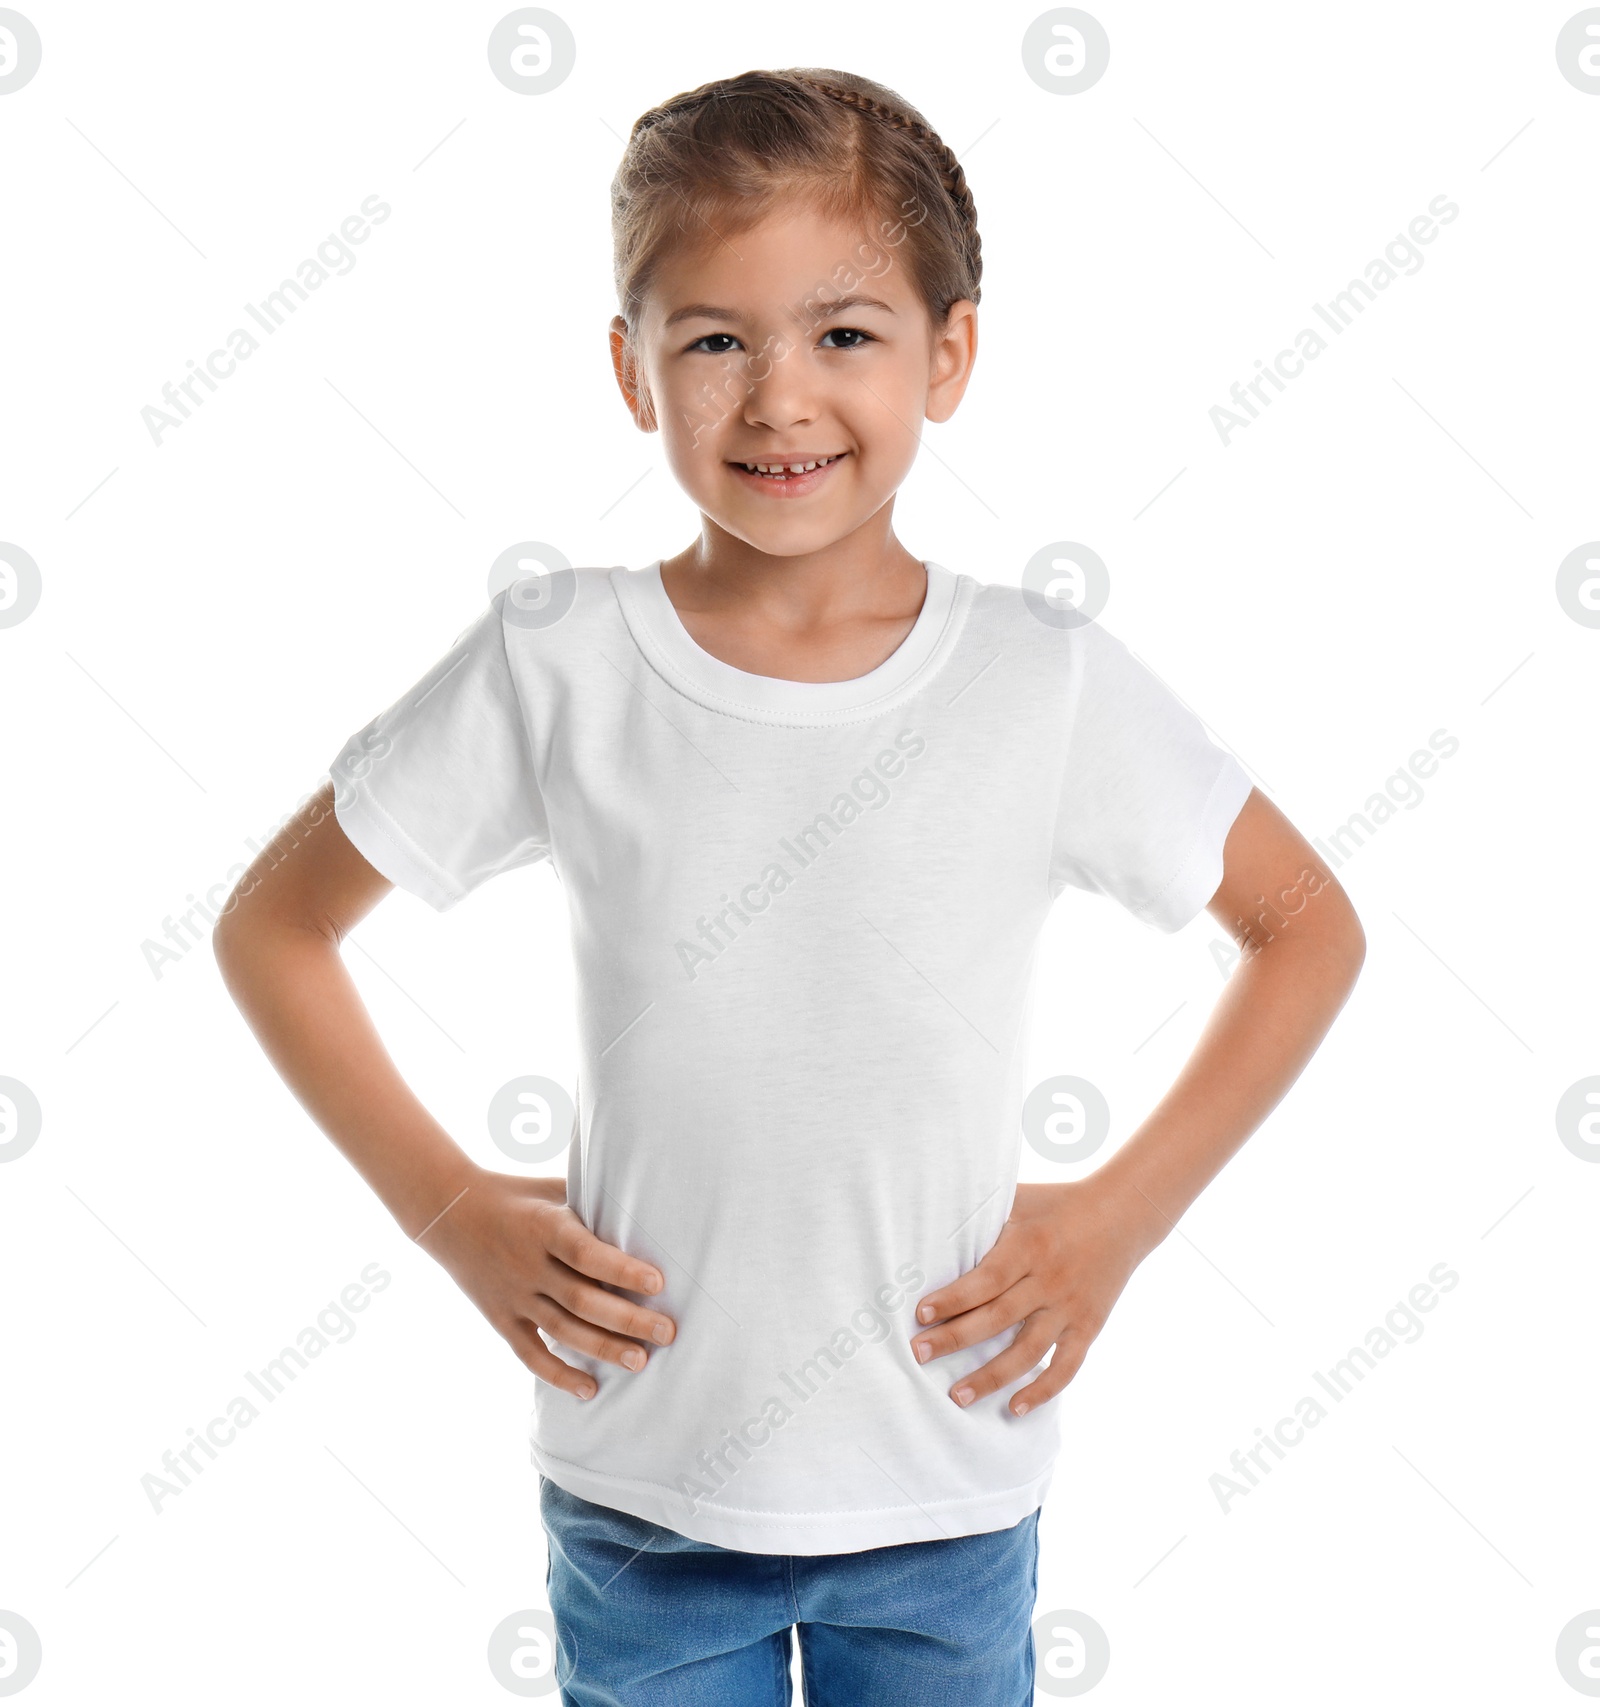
[(1374, 559)]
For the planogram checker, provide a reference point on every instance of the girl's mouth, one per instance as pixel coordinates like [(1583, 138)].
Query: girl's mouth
[(787, 480)]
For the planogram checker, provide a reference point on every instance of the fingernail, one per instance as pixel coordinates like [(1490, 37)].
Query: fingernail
[(1022, 1407), (586, 1392), (661, 1333), (634, 1358), (925, 1314), (922, 1350), (963, 1395)]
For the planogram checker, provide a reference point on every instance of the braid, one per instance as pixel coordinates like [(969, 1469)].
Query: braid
[(948, 166), (737, 147)]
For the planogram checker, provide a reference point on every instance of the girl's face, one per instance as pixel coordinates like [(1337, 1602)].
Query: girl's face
[(800, 341)]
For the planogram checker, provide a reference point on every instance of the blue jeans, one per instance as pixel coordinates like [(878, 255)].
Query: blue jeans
[(683, 1623)]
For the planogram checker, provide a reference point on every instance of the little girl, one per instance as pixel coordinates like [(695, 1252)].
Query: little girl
[(810, 799)]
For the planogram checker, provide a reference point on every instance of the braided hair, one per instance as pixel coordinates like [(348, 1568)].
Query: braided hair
[(712, 162)]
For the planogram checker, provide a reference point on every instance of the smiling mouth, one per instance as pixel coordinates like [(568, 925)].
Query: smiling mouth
[(780, 471)]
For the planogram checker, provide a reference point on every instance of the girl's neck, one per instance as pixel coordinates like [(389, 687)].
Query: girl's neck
[(819, 617)]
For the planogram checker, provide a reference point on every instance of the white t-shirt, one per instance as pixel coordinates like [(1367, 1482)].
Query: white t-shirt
[(803, 920)]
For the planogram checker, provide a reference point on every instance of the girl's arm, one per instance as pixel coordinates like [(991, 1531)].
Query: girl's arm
[(1068, 1249), (509, 1241), (1302, 948)]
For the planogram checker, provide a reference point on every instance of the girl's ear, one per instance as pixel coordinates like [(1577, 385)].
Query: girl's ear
[(955, 350), (630, 380)]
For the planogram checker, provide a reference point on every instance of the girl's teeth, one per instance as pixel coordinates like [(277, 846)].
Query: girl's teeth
[(787, 467)]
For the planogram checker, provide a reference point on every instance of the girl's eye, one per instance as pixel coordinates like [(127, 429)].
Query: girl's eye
[(835, 332)]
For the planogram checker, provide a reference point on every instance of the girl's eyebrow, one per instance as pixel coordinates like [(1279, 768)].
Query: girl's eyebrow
[(831, 306)]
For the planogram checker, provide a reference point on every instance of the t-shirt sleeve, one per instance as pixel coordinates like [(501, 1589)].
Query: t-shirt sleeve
[(1147, 797), (439, 792)]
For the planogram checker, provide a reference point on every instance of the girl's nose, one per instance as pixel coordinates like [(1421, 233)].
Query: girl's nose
[(780, 395)]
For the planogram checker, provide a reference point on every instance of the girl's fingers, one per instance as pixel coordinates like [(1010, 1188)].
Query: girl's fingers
[(1066, 1363), (523, 1338), (1018, 1358), (980, 1324), (977, 1286), (591, 1303), (584, 1336), (582, 1250)]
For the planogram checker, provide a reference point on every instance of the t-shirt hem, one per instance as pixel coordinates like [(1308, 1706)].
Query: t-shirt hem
[(387, 848), (1196, 880), (805, 1533)]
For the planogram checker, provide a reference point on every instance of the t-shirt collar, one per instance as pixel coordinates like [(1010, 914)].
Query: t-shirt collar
[(670, 647)]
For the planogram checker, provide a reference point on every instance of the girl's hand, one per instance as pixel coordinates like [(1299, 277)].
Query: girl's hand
[(510, 1242), (526, 1260), (1059, 1264)]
